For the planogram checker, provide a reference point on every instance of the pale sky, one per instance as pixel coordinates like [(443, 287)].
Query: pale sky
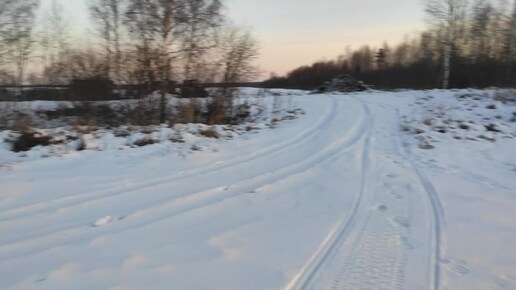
[(298, 32)]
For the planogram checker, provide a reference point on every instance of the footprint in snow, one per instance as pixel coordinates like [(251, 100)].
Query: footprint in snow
[(444, 261), (402, 221), (396, 195), (104, 221), (407, 243), (382, 207), (461, 269), (455, 267)]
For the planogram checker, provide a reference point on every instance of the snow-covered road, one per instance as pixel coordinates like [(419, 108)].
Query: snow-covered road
[(338, 199)]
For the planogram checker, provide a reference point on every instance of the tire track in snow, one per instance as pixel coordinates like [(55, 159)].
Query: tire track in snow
[(309, 273), (376, 261), (376, 257), (74, 200), (206, 198), (370, 251), (435, 206)]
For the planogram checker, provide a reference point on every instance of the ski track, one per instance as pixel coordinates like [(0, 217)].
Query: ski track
[(437, 211), (209, 197), (366, 258), (74, 200), (374, 257), (438, 217)]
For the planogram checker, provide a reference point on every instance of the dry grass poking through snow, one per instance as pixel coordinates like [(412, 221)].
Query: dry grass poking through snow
[(474, 116), (56, 128)]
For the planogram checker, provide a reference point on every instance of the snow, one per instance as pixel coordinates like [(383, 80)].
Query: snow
[(104, 221), (341, 197)]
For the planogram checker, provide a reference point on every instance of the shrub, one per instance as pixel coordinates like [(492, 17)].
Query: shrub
[(505, 96), (145, 142), (177, 139), (209, 133), (28, 140), (188, 112)]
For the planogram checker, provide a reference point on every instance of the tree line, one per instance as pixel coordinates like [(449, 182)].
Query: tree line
[(466, 44), (133, 42)]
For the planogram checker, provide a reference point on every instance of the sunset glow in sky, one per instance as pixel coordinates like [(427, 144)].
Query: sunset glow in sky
[(297, 32)]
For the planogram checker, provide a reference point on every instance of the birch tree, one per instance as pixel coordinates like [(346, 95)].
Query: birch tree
[(448, 16), (165, 14)]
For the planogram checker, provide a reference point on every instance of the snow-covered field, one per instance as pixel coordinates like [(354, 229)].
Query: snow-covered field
[(400, 190)]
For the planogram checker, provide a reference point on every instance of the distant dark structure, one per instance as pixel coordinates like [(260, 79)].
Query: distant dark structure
[(92, 89), (342, 83), (103, 89), (35, 93), (193, 89)]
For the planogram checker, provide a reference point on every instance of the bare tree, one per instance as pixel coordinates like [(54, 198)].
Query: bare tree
[(165, 14), (510, 43), (141, 23), (6, 9), (448, 16), (480, 34), (86, 63), (427, 48), (54, 42), (238, 51), (108, 17), (3, 25), (151, 24), (197, 29), (16, 27)]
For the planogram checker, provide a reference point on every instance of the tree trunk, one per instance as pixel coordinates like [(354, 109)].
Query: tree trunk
[(511, 42), (168, 19), (446, 65)]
